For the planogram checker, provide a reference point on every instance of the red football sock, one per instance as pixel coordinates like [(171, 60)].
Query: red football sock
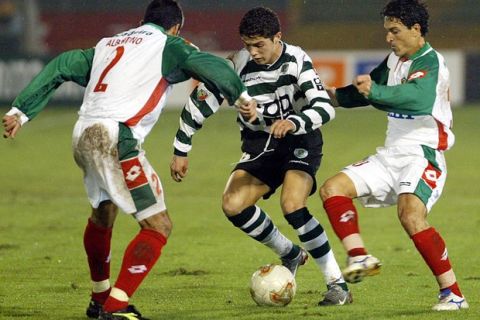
[(96, 241), (101, 297), (112, 305), (140, 256), (432, 248), (455, 289), (357, 252), (342, 215)]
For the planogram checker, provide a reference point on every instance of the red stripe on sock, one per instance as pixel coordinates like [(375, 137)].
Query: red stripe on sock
[(96, 240), (342, 215), (433, 250), (455, 289)]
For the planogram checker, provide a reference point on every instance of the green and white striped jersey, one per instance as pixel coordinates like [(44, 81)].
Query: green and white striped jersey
[(128, 77), (415, 93), (287, 89)]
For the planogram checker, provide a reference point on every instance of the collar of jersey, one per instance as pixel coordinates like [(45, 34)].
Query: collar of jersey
[(156, 26), (279, 61), (426, 47)]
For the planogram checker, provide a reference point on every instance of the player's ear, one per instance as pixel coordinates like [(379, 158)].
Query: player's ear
[(277, 37)]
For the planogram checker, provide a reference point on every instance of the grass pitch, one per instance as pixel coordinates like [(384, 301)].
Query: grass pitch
[(204, 270)]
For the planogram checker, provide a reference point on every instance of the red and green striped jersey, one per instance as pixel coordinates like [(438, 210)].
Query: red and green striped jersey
[(128, 77), (415, 93)]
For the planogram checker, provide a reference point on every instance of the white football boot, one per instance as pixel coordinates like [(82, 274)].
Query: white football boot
[(361, 266), (449, 301)]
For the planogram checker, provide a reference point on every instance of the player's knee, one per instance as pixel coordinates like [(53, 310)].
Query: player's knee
[(160, 223), (291, 205), (328, 189), (339, 185), (231, 205)]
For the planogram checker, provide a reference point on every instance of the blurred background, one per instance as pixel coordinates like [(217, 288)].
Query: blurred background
[(344, 37)]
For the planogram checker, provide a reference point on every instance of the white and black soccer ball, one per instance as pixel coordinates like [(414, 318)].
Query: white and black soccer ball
[(272, 285)]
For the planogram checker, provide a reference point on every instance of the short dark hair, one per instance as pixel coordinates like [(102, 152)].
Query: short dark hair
[(165, 13), (259, 21), (408, 12)]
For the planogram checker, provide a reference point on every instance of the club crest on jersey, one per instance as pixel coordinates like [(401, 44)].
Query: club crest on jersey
[(284, 68), (300, 153), (202, 95), (417, 75)]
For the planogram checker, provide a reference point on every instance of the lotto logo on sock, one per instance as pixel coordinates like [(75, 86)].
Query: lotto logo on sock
[(444, 255), (137, 269), (347, 216)]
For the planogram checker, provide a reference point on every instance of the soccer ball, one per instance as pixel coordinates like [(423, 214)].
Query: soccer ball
[(272, 285)]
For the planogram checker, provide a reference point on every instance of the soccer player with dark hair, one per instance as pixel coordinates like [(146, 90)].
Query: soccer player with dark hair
[(412, 86), (127, 77), (282, 147)]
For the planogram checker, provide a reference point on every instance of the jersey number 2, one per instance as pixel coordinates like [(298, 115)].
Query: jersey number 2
[(102, 87)]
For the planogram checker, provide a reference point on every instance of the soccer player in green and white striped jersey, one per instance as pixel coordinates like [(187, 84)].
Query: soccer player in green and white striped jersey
[(283, 146), (412, 86)]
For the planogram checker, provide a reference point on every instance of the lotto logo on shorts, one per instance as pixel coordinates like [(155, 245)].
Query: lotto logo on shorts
[(430, 175), (133, 173)]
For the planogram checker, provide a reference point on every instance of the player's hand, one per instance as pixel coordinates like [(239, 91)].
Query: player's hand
[(11, 125), (178, 168), (363, 83), (280, 128), (331, 94), (249, 110)]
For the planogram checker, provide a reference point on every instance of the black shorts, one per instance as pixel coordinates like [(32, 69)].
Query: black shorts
[(269, 160)]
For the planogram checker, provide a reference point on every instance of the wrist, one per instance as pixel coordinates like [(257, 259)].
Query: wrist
[(14, 111)]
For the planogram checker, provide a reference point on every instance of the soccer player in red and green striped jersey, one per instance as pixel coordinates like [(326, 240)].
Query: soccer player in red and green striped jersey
[(127, 77), (412, 86)]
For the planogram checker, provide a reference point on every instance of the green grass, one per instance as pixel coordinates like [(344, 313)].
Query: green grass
[(204, 270)]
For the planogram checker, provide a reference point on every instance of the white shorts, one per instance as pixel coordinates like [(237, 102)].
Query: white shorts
[(115, 168), (380, 178)]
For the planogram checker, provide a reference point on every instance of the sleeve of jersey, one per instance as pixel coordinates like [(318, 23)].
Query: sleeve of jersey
[(415, 96), (72, 65), (349, 97), (215, 73), (319, 109), (201, 104)]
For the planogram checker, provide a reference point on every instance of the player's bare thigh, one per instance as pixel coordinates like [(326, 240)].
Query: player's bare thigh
[(297, 186), (338, 185), (242, 190)]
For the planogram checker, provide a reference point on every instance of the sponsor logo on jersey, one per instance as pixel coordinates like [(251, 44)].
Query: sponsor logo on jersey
[(252, 79), (133, 173), (405, 184), (202, 95), (318, 83), (300, 153), (400, 116), (417, 75)]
